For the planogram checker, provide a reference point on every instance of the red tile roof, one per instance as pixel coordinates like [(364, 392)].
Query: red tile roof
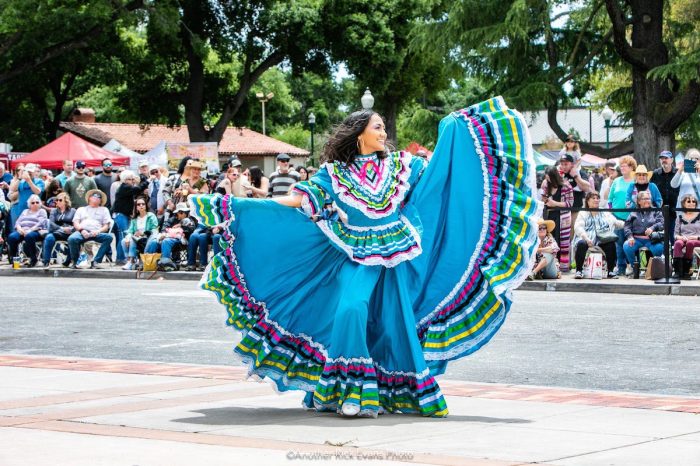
[(142, 138)]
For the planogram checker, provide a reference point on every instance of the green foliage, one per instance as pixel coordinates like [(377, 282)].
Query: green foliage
[(295, 135)]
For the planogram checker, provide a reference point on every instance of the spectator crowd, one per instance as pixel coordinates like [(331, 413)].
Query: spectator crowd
[(122, 213), (623, 239)]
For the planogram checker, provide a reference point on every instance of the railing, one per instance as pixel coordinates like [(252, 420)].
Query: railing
[(665, 210)]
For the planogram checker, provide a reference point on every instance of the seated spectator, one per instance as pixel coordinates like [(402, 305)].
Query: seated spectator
[(591, 227), (687, 237), (176, 230), (641, 183), (231, 183), (199, 241), (91, 223), (123, 207), (254, 183), (48, 196), (29, 228), (143, 225), (639, 226), (60, 227), (546, 264)]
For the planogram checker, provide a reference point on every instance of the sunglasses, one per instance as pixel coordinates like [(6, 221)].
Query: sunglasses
[(35, 202), (542, 228), (154, 172), (107, 165), (690, 201)]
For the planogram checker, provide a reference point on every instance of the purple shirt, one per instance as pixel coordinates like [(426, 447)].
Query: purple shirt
[(29, 220)]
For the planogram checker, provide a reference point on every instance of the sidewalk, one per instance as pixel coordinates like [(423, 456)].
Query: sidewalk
[(68, 411), (566, 283)]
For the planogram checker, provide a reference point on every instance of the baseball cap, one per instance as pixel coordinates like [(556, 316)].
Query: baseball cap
[(143, 163), (283, 157), (79, 164), (567, 158), (235, 162), (667, 154)]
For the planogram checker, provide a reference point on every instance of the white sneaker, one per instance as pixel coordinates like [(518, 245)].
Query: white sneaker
[(128, 266), (350, 409)]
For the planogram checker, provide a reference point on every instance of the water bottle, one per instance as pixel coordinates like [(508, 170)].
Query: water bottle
[(635, 269)]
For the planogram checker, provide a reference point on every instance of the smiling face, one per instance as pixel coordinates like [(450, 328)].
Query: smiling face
[(373, 138)]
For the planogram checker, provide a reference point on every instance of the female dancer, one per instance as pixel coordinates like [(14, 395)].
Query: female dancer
[(416, 270)]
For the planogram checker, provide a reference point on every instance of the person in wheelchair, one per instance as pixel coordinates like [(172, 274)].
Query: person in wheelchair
[(29, 229), (60, 227), (143, 225)]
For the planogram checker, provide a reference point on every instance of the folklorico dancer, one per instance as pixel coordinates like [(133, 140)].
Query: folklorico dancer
[(398, 266)]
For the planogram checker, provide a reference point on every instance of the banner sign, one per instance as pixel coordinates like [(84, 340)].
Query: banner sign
[(207, 152)]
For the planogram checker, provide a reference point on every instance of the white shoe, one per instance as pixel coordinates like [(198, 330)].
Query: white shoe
[(350, 409)]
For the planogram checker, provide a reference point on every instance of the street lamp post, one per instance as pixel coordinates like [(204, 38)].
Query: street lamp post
[(367, 100), (264, 98), (312, 125), (607, 116)]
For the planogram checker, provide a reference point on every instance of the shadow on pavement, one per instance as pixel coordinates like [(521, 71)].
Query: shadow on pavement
[(242, 416)]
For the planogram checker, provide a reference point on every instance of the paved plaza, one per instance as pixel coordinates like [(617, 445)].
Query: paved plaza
[(125, 372)]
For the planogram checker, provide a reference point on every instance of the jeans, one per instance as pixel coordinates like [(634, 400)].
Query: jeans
[(631, 251), (199, 240), (29, 246), (50, 242), (550, 271), (166, 247), (76, 240), (121, 224), (620, 251), (132, 250)]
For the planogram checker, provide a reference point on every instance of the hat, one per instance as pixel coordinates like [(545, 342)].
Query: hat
[(667, 154), (143, 163), (566, 157), (283, 157), (642, 170), (79, 164), (234, 162), (572, 137), (548, 223), (181, 207), (96, 192), (153, 167), (194, 163)]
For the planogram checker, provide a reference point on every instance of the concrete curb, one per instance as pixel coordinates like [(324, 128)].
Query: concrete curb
[(98, 273), (620, 286)]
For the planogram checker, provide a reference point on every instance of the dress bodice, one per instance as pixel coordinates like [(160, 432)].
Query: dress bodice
[(371, 225)]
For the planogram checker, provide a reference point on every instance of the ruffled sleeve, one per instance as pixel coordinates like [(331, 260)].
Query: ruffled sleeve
[(211, 210), (313, 197)]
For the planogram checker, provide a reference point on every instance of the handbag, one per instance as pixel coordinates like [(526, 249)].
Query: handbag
[(149, 261), (605, 236), (656, 237)]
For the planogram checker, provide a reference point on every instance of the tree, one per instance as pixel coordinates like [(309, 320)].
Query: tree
[(372, 39), (34, 33), (41, 90), (207, 56), (540, 53)]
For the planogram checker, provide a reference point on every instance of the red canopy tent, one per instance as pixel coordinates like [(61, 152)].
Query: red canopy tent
[(70, 147)]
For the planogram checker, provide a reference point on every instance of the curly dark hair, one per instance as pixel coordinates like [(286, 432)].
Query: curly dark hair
[(342, 145)]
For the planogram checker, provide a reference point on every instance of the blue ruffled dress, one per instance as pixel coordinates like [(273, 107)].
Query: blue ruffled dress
[(413, 269)]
